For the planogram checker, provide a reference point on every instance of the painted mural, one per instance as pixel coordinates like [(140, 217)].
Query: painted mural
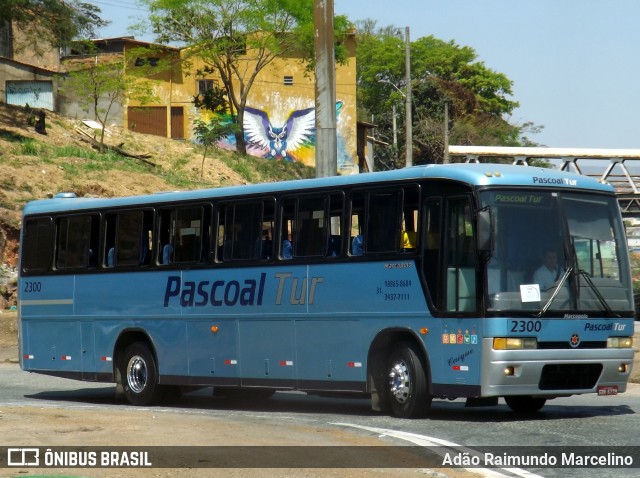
[(290, 137)]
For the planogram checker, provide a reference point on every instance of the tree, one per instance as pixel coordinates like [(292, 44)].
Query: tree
[(442, 73), (238, 39), (51, 22), (208, 133), (99, 85)]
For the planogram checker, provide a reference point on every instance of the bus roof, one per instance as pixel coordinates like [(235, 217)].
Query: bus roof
[(485, 174)]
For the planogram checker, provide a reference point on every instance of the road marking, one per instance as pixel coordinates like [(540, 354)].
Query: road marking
[(446, 447)]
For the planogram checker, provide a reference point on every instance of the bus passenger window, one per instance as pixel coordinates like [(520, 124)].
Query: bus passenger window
[(383, 221), (409, 235), (74, 246), (432, 249), (166, 226), (187, 235), (460, 257), (243, 227), (357, 233), (311, 227), (336, 204), (287, 228), (37, 244)]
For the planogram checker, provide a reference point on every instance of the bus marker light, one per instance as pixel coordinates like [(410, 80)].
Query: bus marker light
[(28, 357), (509, 371), (231, 362), (106, 359), (424, 331), (215, 329), (65, 357), (286, 363), (461, 368), (354, 364)]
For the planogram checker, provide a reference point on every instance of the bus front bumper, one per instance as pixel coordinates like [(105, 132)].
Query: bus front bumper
[(555, 372)]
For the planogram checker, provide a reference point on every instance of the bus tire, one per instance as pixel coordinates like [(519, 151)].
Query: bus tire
[(139, 373), (406, 393), (524, 403)]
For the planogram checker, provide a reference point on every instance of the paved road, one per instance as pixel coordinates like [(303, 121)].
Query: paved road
[(586, 420)]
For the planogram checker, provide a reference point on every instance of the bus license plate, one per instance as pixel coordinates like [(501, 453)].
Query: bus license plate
[(607, 390)]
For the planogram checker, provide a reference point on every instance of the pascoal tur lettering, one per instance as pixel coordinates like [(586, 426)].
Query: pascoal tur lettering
[(216, 293)]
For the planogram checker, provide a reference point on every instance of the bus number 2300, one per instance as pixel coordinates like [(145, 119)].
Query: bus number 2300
[(526, 326), (32, 286)]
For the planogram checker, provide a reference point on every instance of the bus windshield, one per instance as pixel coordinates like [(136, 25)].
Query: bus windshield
[(555, 251)]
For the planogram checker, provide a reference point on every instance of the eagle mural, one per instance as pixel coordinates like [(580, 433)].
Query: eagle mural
[(290, 141)]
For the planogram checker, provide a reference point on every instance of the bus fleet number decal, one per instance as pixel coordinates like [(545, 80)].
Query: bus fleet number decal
[(32, 286), (526, 326)]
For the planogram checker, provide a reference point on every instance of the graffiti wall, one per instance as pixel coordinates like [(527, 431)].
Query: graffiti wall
[(283, 128)]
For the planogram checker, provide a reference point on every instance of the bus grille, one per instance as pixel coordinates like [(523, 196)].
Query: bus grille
[(566, 345), (570, 376)]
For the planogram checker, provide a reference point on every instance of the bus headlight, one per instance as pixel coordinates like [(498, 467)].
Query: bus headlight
[(515, 343), (620, 342)]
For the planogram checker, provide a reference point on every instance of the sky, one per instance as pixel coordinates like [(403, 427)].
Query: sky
[(574, 64)]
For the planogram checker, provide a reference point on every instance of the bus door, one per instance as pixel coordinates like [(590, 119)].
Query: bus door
[(450, 269)]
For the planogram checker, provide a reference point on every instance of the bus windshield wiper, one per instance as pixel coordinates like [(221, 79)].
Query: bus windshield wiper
[(563, 279), (596, 291)]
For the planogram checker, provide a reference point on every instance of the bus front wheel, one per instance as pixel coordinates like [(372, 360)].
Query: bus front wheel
[(524, 403), (406, 392), (139, 374)]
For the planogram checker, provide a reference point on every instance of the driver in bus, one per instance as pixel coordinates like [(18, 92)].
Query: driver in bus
[(549, 272)]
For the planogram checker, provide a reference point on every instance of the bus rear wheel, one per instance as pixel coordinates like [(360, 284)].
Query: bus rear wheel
[(525, 403), (406, 392), (139, 374)]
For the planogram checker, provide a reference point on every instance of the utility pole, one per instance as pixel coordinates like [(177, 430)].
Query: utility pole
[(446, 160), (325, 70), (408, 118)]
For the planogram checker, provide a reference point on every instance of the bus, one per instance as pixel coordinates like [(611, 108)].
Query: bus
[(401, 286)]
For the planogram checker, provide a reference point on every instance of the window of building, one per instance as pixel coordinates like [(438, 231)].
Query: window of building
[(205, 85)]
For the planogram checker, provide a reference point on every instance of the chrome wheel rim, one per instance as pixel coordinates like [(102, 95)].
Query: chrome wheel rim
[(137, 374), (400, 381)]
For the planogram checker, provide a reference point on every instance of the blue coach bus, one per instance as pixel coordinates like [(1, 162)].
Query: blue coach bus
[(405, 286)]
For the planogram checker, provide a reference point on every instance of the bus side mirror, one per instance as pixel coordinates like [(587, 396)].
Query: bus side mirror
[(485, 231)]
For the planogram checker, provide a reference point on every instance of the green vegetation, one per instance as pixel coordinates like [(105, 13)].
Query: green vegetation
[(78, 164)]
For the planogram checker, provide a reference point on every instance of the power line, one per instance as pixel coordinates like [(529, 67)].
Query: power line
[(126, 5)]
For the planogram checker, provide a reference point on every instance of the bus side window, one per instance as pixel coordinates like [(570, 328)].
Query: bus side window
[(146, 238), (336, 205), (243, 224), (432, 251), (383, 221), (38, 245), (459, 256), (129, 238), (311, 229), (357, 232), (409, 237), (287, 228), (187, 234), (110, 240), (166, 225), (77, 241)]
